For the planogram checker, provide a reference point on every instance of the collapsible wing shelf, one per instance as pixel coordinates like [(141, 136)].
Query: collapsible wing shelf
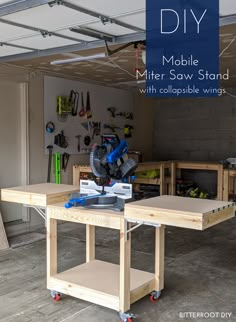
[(182, 212), (38, 196)]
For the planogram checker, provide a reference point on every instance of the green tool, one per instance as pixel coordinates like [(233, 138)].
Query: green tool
[(58, 167)]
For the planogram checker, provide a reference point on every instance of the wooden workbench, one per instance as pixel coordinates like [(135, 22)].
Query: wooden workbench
[(118, 286)]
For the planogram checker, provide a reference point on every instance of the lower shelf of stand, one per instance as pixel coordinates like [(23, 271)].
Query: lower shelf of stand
[(98, 282)]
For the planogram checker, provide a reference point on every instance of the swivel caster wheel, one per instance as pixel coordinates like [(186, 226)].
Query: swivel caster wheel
[(55, 296), (154, 296), (127, 317)]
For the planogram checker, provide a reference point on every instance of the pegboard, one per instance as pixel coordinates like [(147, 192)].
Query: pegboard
[(101, 98)]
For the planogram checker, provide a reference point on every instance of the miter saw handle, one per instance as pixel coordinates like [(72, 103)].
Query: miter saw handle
[(81, 201), (118, 152), (68, 205)]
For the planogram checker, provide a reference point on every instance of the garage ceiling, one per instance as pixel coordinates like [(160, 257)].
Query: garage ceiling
[(37, 28), (35, 32)]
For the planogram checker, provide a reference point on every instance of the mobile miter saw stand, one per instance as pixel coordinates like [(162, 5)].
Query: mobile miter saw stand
[(118, 286), (111, 166)]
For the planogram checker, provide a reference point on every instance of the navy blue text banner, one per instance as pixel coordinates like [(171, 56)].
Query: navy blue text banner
[(182, 49)]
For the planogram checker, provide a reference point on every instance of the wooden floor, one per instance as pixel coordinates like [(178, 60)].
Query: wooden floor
[(200, 275)]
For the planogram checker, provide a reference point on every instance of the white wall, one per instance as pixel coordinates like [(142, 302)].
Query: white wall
[(101, 98)]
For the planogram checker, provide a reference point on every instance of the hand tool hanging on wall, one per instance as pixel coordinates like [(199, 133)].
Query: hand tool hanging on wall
[(57, 157), (65, 160), (127, 115), (50, 127), (78, 144), (112, 110), (60, 140), (82, 111), (64, 107), (96, 129), (74, 100), (128, 130), (87, 140), (87, 126), (49, 147), (88, 107)]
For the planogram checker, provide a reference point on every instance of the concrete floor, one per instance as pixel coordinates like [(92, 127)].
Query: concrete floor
[(200, 276)]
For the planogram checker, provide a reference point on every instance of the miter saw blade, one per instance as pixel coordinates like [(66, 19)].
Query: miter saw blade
[(97, 161)]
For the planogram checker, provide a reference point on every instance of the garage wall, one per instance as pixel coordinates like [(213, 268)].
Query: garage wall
[(144, 120), (195, 129)]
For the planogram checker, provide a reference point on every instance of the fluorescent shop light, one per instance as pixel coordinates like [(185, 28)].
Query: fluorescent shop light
[(77, 59)]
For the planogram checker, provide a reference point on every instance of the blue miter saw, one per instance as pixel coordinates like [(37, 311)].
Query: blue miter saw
[(112, 169)]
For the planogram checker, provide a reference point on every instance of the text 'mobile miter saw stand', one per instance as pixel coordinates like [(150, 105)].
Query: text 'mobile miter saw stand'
[(112, 168)]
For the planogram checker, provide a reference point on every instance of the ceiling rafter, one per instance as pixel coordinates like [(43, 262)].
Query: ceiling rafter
[(17, 46), (20, 5), (43, 32), (103, 18), (72, 48), (228, 20)]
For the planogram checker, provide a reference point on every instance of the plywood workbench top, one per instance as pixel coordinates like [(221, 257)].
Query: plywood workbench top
[(180, 211), (41, 194)]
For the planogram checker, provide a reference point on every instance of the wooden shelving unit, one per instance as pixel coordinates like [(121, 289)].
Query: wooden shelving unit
[(207, 166)]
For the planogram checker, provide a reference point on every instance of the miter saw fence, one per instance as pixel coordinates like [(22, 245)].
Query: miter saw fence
[(111, 165), (114, 196)]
